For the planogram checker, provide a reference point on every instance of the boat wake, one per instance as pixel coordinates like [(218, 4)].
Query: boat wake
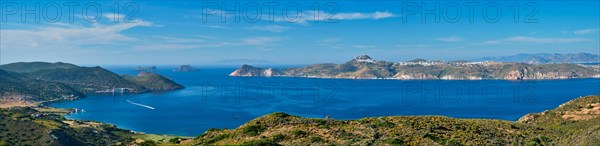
[(146, 106)]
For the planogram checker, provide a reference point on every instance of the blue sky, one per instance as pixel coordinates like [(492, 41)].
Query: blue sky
[(163, 32)]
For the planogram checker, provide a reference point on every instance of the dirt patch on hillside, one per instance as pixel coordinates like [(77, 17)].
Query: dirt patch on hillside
[(584, 113)]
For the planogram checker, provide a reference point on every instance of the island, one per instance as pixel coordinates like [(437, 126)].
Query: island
[(184, 68), (146, 68), (364, 67)]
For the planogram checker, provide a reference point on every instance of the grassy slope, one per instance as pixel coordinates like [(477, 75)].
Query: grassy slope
[(16, 84), (25, 67), (21, 126), (154, 82), (86, 79), (575, 131), (284, 129)]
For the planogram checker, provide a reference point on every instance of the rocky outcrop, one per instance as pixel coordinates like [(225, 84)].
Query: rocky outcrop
[(518, 74), (251, 71), (184, 68), (146, 68), (364, 67)]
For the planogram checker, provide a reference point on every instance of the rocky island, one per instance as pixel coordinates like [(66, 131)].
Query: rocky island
[(364, 67), (184, 68), (146, 68)]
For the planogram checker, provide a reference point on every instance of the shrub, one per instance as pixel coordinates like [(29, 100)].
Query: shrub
[(394, 141), (299, 133), (262, 142), (218, 138), (452, 142), (253, 130), (278, 137), (175, 140), (148, 143), (315, 139)]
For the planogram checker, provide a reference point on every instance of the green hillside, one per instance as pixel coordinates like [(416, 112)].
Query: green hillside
[(28, 84), (86, 79), (19, 86), (154, 82), (24, 67), (28, 126), (577, 124)]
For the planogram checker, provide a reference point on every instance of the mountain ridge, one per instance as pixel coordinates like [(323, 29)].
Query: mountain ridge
[(545, 58), (364, 67)]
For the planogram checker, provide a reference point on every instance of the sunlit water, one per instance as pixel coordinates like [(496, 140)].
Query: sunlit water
[(214, 100)]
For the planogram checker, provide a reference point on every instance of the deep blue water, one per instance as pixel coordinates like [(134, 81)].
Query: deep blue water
[(214, 100)]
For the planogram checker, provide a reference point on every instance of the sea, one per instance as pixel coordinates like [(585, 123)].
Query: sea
[(212, 99)]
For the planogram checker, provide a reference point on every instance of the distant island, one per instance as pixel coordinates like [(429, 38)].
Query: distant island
[(146, 68), (184, 68), (364, 67), (31, 83), (545, 58)]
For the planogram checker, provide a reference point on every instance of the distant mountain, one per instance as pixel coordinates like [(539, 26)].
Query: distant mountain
[(154, 82), (24, 67), (184, 68), (544, 58), (364, 67)]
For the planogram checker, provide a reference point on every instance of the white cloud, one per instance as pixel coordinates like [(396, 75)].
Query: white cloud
[(355, 15), (271, 28), (308, 16), (585, 31), (171, 39), (217, 26), (114, 17), (67, 35), (190, 43), (333, 43), (363, 46), (546, 40), (526, 39), (450, 39), (411, 46), (260, 41), (163, 47)]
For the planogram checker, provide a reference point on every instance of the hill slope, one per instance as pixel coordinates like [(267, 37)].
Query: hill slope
[(86, 79), (16, 89), (24, 67), (154, 82), (28, 126), (284, 129), (36, 82)]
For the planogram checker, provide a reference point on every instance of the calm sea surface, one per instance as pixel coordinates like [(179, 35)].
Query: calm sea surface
[(214, 100)]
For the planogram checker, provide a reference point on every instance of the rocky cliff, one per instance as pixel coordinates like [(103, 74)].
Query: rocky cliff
[(251, 71), (364, 67)]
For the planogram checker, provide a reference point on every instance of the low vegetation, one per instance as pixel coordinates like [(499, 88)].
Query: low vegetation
[(547, 128)]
